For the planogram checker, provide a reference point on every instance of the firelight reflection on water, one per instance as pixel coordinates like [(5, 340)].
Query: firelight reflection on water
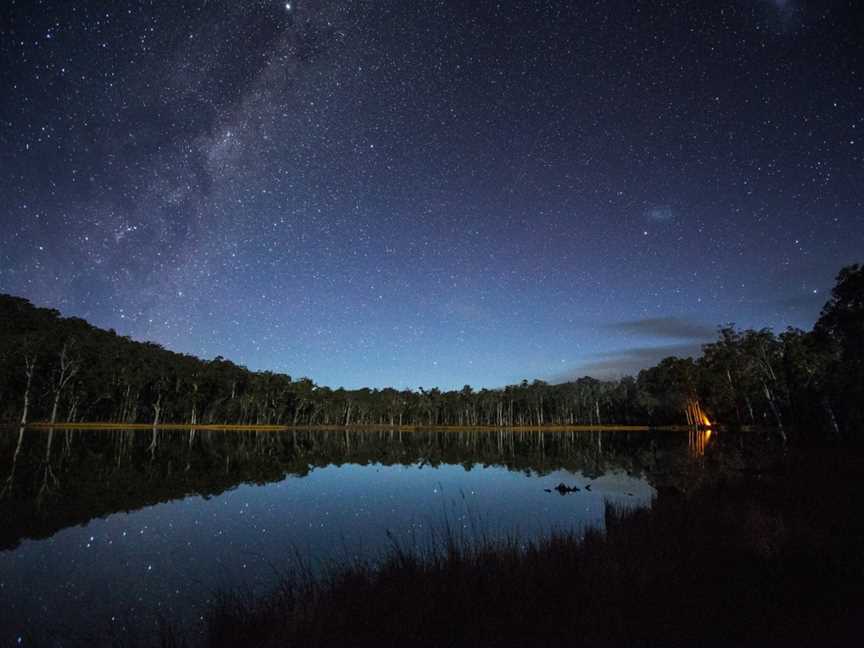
[(126, 532)]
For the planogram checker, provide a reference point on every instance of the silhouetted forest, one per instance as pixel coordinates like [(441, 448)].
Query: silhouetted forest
[(63, 369)]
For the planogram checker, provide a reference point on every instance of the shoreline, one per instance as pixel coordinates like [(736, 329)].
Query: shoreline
[(367, 427)]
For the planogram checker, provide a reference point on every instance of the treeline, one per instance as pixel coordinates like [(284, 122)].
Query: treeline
[(63, 369)]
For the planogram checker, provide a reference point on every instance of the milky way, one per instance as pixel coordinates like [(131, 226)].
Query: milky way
[(430, 193)]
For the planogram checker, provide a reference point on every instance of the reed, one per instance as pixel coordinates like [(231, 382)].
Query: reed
[(729, 562)]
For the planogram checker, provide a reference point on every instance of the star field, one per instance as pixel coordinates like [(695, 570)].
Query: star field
[(432, 193)]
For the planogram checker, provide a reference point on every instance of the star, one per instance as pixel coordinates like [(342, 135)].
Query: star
[(485, 185)]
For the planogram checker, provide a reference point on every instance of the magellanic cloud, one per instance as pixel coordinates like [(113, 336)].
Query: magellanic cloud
[(660, 214)]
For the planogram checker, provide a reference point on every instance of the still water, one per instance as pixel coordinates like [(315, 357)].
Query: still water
[(106, 534)]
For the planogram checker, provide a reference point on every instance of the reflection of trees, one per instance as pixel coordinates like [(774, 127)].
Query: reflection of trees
[(153, 442), (101, 472), (10, 480), (697, 440), (49, 479)]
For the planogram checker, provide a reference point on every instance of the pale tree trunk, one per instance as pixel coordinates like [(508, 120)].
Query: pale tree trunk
[(56, 404), (29, 370), (127, 405), (194, 418), (774, 410), (750, 409), (133, 408), (68, 369), (157, 410)]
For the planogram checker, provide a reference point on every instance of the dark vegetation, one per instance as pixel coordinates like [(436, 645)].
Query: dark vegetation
[(761, 551), (63, 369)]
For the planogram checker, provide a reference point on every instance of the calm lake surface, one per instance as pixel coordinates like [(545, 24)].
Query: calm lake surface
[(105, 532)]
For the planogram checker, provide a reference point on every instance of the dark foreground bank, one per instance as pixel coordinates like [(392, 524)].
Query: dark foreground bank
[(767, 553)]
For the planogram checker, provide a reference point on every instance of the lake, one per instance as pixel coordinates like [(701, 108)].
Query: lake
[(106, 534)]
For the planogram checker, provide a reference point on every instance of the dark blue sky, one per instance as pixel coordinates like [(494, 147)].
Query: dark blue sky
[(436, 193)]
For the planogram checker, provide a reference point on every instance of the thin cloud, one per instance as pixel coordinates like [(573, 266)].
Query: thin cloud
[(666, 327), (628, 361)]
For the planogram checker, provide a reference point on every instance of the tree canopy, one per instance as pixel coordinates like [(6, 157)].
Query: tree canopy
[(64, 369)]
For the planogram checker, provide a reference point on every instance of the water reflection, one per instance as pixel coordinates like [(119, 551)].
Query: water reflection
[(697, 439), (133, 521), (6, 491), (91, 473)]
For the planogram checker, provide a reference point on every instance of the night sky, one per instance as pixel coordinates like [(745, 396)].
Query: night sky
[(431, 193)]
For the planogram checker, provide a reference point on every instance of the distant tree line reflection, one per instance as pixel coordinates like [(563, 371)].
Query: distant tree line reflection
[(54, 478)]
